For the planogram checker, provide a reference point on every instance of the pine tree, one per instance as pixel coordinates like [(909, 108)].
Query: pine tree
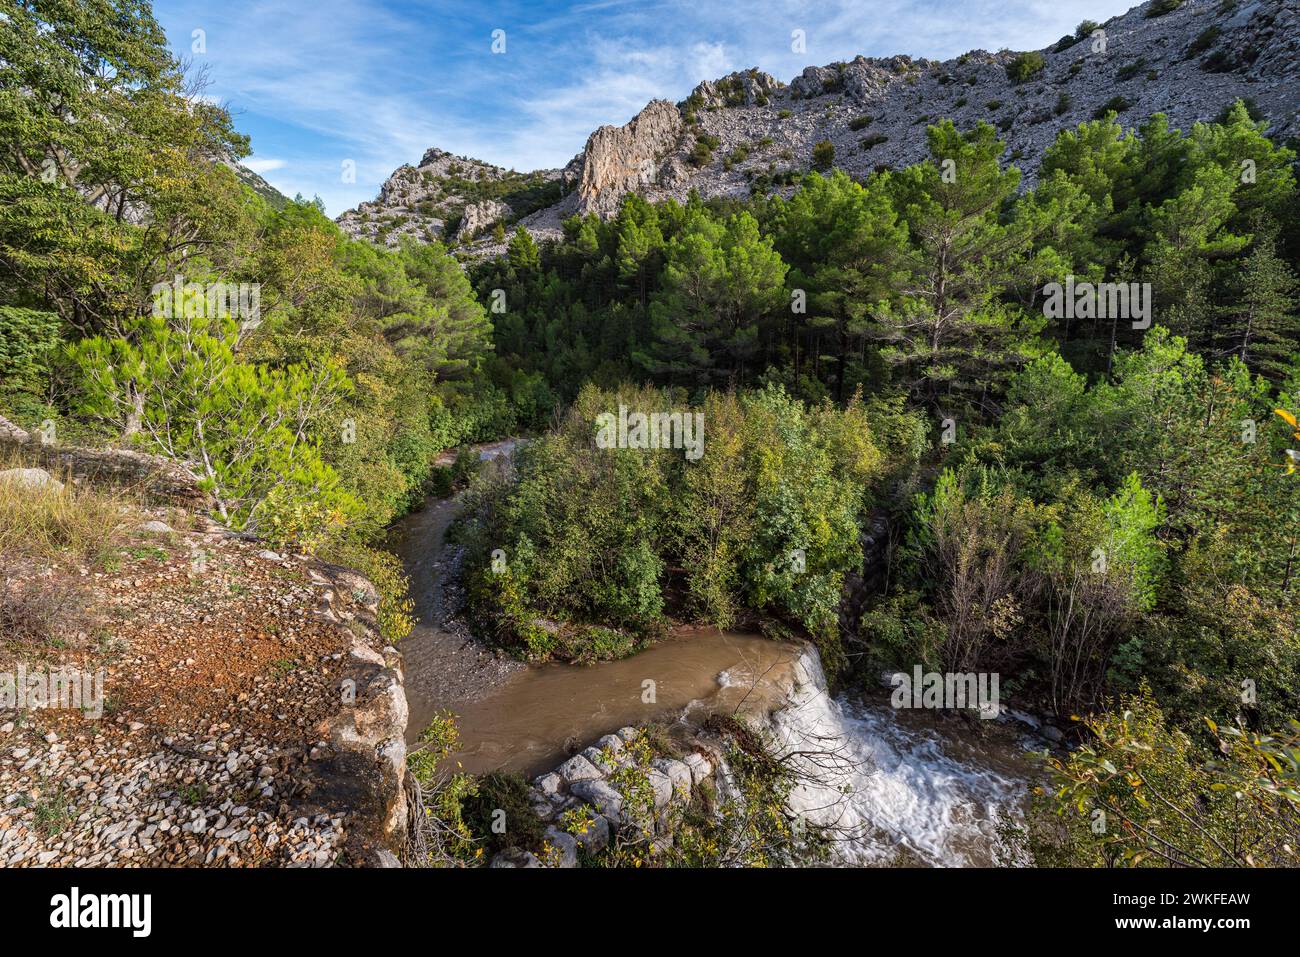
[(1264, 327), (951, 337)]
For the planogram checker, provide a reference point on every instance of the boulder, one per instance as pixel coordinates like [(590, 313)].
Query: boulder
[(578, 768), (604, 798), (566, 847), (31, 478)]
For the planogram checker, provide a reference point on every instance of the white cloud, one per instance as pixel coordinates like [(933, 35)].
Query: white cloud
[(263, 166)]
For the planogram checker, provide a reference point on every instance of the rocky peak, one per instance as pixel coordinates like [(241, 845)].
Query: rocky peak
[(750, 87), (622, 158)]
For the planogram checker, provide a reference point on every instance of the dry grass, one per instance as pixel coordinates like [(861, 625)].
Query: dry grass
[(39, 610), (45, 522)]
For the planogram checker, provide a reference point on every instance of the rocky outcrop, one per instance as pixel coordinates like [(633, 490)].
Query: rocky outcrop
[(589, 783), (158, 479), (478, 217), (750, 87), (362, 766), (446, 196), (622, 158)]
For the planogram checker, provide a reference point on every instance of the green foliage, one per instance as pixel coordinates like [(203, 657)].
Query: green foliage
[(1116, 104), (1025, 66), (823, 155), (1159, 8), (764, 522), (385, 572), (502, 798), (29, 343), (1142, 794), (182, 392), (702, 152)]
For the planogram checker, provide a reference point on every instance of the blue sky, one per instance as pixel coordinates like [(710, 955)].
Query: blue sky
[(318, 82)]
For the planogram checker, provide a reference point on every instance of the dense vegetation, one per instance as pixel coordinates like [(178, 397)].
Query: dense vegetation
[(1101, 510)]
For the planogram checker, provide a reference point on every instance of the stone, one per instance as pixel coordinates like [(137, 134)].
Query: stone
[(31, 478), (662, 787), (679, 776), (154, 527), (549, 783), (618, 159), (566, 848), (599, 760), (479, 216), (603, 797), (700, 767), (578, 768)]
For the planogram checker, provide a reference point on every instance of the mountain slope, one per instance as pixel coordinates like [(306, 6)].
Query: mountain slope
[(748, 132)]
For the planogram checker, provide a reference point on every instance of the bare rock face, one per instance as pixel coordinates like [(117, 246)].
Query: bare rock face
[(479, 217), (619, 159)]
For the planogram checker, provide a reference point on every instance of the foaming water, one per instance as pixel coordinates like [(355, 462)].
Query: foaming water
[(892, 785)]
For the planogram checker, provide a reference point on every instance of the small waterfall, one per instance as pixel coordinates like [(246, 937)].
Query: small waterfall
[(884, 786)]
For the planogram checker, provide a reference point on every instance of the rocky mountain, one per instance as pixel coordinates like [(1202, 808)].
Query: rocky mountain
[(255, 182), (748, 132), (449, 197)]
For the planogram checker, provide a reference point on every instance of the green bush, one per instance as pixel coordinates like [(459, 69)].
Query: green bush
[(586, 535), (1116, 104), (823, 155), (1159, 8), (1025, 66)]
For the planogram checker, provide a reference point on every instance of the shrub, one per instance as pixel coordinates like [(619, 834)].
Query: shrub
[(1025, 66), (1116, 104), (1130, 70), (702, 151), (588, 534), (875, 139), (506, 792), (860, 122), (823, 155), (1165, 798), (1204, 40), (1159, 8), (1062, 104)]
